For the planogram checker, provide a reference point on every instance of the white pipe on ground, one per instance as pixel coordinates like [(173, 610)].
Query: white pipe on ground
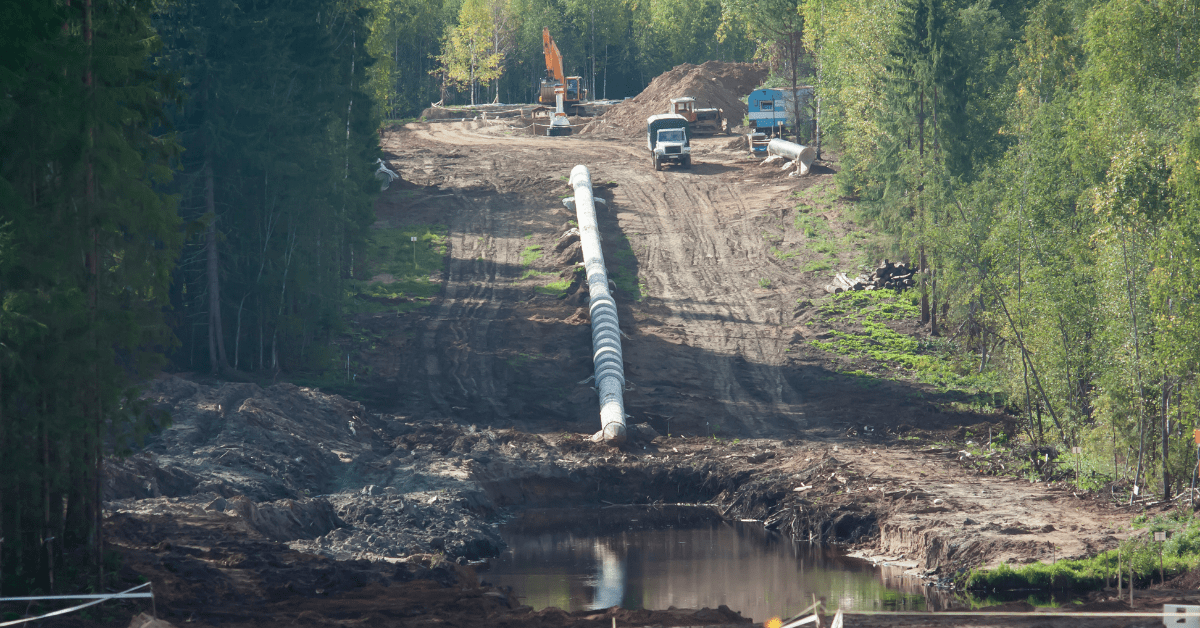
[(803, 154), (606, 333)]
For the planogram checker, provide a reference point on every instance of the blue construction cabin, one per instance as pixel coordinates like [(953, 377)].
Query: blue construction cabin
[(771, 109)]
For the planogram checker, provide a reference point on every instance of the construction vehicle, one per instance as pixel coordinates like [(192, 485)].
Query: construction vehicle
[(704, 121), (668, 137), (573, 93)]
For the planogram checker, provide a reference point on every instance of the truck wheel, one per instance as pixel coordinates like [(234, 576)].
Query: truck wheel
[(654, 160), (687, 162)]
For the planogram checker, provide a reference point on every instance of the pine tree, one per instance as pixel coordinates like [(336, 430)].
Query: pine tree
[(920, 120), (84, 272), (276, 177)]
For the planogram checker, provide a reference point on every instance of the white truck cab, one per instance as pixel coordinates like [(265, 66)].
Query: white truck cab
[(668, 138)]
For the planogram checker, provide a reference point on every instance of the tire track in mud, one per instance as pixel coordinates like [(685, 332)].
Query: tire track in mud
[(459, 332), (697, 271), (459, 340)]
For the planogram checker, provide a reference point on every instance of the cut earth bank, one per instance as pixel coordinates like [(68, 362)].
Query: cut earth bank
[(282, 505)]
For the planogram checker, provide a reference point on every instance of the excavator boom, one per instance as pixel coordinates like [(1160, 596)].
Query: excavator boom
[(554, 66)]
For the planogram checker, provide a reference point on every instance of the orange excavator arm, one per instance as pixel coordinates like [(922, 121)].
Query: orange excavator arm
[(554, 65)]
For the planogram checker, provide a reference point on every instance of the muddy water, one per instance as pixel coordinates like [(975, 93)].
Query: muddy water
[(595, 559)]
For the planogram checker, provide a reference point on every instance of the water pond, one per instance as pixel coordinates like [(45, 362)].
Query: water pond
[(686, 557)]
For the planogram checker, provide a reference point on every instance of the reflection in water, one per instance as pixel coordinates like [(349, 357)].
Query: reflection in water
[(610, 584), (757, 573)]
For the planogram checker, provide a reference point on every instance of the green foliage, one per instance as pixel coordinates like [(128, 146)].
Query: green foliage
[(397, 270), (471, 53), (430, 51), (783, 255), (280, 170), (1180, 553), (1040, 159), (530, 254), (554, 288), (860, 330), (87, 241)]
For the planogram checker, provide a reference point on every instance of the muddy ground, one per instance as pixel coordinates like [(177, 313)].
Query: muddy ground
[(280, 505)]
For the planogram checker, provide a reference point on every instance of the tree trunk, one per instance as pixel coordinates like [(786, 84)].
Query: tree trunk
[(47, 538), (237, 335), (216, 334), (1166, 431), (817, 115), (933, 322), (96, 527), (1137, 369), (3, 448), (794, 53), (924, 286)]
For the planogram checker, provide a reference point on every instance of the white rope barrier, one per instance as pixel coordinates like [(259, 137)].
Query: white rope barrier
[(95, 599), (1178, 612)]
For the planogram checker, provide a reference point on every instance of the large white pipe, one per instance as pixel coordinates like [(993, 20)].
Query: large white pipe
[(803, 154), (606, 333)]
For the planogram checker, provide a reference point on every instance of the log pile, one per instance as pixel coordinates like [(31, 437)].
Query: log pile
[(896, 276)]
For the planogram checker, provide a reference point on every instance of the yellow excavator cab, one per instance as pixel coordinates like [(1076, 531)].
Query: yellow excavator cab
[(685, 106)]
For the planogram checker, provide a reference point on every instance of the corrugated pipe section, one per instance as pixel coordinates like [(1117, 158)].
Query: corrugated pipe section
[(606, 333), (803, 155)]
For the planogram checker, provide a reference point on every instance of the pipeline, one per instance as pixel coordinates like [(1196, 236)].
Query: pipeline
[(802, 154), (606, 333)]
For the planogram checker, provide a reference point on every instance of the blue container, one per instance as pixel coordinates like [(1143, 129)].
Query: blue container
[(771, 111)]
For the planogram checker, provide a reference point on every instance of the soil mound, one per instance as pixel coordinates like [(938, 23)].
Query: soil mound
[(293, 464), (713, 84)]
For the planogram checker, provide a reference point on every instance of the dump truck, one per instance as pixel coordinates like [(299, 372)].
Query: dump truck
[(573, 94), (668, 136), (704, 121)]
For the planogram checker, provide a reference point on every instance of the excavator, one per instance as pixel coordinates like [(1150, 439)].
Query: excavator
[(572, 94)]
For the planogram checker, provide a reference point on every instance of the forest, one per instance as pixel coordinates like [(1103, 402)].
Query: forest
[(184, 185)]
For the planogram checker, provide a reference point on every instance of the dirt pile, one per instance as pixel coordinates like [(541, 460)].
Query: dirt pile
[(713, 84), (296, 465)]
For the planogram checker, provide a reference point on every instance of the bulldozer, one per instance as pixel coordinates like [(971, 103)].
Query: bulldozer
[(572, 94), (703, 121)]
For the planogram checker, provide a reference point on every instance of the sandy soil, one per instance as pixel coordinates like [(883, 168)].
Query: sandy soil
[(284, 505)]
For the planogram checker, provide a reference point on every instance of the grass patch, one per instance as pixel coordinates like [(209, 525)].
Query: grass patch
[(396, 270), (824, 246), (531, 254), (1180, 554), (816, 266), (554, 288), (764, 282), (625, 281), (860, 330), (783, 255), (811, 226), (530, 274)]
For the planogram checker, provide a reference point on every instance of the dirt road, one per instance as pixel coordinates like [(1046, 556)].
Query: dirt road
[(716, 325), (708, 309), (267, 493)]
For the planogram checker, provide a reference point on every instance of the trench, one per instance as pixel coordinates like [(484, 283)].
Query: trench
[(687, 556)]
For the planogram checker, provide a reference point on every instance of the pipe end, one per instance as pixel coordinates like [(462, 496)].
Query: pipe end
[(581, 176), (614, 434)]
